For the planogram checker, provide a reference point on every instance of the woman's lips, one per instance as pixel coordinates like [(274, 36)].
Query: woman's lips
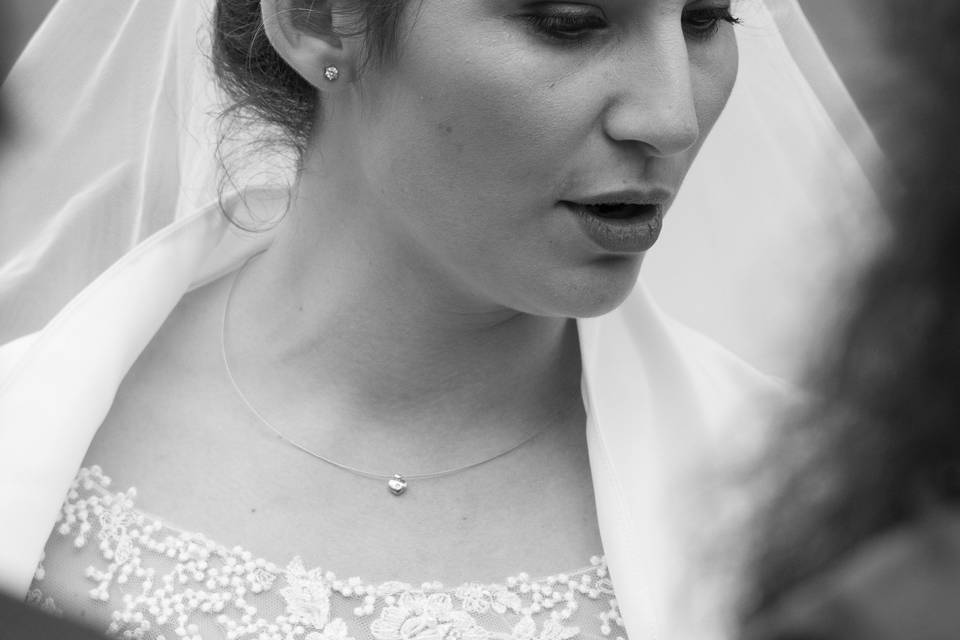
[(619, 227)]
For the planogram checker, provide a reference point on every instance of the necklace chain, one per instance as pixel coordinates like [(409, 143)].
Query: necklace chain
[(396, 483)]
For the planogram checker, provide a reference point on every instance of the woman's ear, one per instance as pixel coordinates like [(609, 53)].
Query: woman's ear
[(302, 32)]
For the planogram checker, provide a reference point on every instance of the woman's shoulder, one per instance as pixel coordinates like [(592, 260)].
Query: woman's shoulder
[(11, 353), (702, 362), (14, 352), (724, 368)]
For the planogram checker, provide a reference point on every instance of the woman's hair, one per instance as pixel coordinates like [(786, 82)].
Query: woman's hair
[(262, 86), (271, 111), (883, 441)]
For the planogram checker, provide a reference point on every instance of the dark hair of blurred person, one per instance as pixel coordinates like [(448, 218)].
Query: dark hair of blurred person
[(861, 538)]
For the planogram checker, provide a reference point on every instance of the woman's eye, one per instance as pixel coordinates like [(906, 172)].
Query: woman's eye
[(567, 24), (704, 23)]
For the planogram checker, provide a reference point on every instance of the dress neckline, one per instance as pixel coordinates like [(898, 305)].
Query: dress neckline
[(169, 576)]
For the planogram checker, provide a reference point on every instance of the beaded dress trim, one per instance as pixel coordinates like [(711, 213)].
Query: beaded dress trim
[(160, 582)]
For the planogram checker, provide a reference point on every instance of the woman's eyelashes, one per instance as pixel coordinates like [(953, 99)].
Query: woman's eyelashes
[(566, 22), (702, 24), (575, 23)]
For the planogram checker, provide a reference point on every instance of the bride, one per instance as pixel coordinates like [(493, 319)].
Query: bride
[(387, 379)]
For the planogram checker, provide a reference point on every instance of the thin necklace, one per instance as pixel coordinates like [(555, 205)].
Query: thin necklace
[(396, 482)]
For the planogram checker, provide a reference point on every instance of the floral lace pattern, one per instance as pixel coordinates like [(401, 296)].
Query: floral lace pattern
[(174, 584)]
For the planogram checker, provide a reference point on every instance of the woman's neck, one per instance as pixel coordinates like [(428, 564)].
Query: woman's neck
[(342, 311)]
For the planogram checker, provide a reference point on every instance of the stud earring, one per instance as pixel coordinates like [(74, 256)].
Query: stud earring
[(331, 73)]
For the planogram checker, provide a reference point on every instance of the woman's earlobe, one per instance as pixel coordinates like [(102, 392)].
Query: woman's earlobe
[(305, 38)]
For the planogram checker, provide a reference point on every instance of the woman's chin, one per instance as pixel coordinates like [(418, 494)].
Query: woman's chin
[(599, 305), (595, 290)]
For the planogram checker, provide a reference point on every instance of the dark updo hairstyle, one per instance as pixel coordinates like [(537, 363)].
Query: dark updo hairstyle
[(270, 104)]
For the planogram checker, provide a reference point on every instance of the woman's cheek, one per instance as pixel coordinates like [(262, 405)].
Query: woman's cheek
[(715, 74), (501, 128), (495, 110)]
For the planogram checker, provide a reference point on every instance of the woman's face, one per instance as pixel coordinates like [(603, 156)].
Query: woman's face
[(526, 150)]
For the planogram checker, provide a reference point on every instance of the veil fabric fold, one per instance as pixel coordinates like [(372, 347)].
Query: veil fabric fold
[(112, 138), (115, 138)]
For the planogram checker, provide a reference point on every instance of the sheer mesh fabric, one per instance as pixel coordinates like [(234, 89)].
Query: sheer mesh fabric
[(129, 574)]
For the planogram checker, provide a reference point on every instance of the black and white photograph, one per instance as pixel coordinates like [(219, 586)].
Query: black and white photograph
[(479, 319)]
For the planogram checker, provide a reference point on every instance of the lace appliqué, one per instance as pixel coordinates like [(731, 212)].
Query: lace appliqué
[(170, 581)]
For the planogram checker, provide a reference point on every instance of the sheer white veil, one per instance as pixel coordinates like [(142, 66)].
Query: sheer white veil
[(114, 134), (111, 140), (779, 207)]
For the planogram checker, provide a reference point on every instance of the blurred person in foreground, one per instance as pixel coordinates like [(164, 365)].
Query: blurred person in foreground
[(861, 538)]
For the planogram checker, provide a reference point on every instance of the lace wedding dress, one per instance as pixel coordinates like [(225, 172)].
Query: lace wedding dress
[(129, 573)]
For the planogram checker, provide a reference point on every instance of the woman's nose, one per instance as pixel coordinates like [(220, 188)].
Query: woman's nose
[(651, 98)]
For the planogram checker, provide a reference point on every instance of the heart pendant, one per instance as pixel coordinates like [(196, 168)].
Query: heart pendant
[(397, 484)]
